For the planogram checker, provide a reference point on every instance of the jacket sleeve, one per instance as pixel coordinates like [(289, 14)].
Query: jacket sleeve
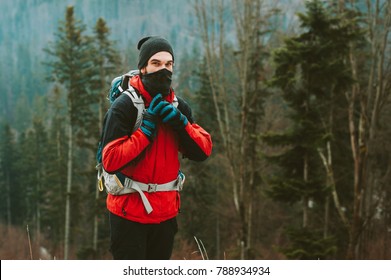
[(120, 145), (195, 142)]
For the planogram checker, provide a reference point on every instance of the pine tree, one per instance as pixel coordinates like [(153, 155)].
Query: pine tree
[(313, 73), (107, 66), (32, 144), (71, 67), (22, 113), (7, 156), (54, 206)]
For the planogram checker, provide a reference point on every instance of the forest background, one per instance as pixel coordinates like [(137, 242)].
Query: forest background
[(294, 93)]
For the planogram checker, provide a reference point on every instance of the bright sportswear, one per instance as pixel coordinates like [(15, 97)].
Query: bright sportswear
[(149, 161)]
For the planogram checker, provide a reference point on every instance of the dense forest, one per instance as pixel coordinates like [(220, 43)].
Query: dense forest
[(294, 93)]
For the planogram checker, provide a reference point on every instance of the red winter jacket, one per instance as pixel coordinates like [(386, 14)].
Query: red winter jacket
[(148, 162)]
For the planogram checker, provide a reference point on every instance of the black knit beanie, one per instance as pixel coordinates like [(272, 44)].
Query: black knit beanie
[(148, 46)]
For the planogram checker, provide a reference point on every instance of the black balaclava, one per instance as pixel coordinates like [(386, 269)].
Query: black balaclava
[(159, 81)]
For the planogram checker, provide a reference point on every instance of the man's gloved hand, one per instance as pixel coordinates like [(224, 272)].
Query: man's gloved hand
[(171, 115), (150, 116)]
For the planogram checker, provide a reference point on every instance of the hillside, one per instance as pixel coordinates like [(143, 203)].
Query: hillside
[(26, 27)]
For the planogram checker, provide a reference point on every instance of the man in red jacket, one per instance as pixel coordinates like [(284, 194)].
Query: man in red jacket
[(143, 223)]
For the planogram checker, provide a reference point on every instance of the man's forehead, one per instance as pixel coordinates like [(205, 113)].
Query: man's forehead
[(162, 56)]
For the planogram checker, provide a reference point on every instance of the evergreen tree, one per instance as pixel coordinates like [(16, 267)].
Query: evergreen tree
[(54, 204), (32, 162), (312, 72), (71, 67), (7, 181), (22, 113), (107, 65)]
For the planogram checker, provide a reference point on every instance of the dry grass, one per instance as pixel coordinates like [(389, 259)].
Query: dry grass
[(186, 250), (14, 244)]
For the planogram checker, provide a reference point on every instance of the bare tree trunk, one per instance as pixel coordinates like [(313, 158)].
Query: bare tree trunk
[(38, 209), (96, 221), (326, 217), (8, 192), (68, 192), (356, 140), (96, 217), (218, 253), (240, 146), (370, 100), (327, 162), (305, 198)]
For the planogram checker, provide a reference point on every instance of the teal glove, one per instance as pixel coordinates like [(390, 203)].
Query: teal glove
[(172, 116), (150, 117)]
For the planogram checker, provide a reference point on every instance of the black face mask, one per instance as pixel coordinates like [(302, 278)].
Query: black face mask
[(157, 82)]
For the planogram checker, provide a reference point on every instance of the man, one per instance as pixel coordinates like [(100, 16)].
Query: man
[(143, 224)]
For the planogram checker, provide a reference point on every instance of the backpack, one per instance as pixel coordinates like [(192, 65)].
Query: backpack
[(118, 183), (121, 85)]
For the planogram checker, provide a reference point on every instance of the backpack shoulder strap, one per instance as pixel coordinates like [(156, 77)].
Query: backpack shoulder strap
[(175, 102), (138, 102)]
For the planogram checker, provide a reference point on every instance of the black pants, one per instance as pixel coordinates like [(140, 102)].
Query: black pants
[(136, 241)]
